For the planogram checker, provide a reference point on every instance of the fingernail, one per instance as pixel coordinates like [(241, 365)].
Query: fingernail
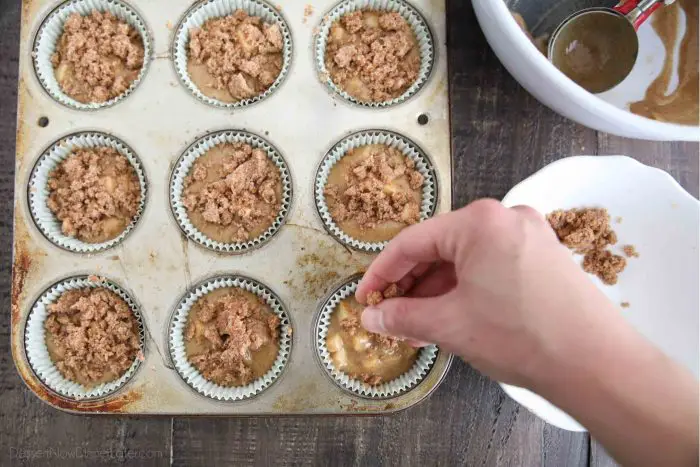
[(417, 344), (373, 320)]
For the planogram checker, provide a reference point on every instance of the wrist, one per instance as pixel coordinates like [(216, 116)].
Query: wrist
[(576, 343), (625, 391)]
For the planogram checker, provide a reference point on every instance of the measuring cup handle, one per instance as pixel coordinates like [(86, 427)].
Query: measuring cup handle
[(646, 13), (625, 7)]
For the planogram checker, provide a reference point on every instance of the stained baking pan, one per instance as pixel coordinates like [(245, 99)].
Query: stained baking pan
[(158, 263)]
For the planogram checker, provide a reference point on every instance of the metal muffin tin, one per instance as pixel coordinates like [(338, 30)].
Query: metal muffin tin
[(157, 264)]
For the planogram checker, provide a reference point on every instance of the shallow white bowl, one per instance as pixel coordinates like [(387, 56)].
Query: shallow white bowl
[(551, 87), (661, 220)]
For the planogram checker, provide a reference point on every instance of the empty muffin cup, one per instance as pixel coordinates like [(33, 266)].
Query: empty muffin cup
[(183, 168), (419, 26), (39, 192), (177, 339), (400, 385), (37, 351), (207, 10), (46, 44), (406, 147)]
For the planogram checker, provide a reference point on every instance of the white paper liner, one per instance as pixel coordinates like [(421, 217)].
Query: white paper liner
[(363, 138), (51, 30), (402, 384), (38, 354), (415, 21), (183, 167), (38, 191), (190, 374), (209, 9)]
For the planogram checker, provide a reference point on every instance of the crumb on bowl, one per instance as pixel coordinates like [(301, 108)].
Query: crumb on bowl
[(587, 231)]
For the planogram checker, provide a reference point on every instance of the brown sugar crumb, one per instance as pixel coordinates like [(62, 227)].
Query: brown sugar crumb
[(232, 337), (604, 264), (374, 187), (233, 192), (235, 57), (392, 291), (375, 298), (308, 11), (369, 357), (97, 57), (370, 379), (625, 304), (92, 335), (373, 56), (583, 229), (630, 251), (95, 193), (587, 231)]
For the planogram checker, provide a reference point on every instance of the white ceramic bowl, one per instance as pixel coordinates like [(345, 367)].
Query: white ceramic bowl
[(661, 220), (606, 112)]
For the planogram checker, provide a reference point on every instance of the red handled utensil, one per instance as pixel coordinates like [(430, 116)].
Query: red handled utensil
[(597, 47)]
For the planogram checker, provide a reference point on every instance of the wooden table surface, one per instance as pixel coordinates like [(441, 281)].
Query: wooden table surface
[(501, 135)]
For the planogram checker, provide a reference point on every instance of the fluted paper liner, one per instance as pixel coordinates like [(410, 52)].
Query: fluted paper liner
[(38, 353), (415, 20), (189, 372), (51, 30), (402, 384), (183, 167), (363, 138), (38, 191), (209, 9)]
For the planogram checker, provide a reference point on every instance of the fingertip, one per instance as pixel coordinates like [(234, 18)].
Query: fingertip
[(529, 213), (372, 319), (368, 283), (416, 343)]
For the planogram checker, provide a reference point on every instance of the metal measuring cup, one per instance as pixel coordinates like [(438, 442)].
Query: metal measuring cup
[(597, 47)]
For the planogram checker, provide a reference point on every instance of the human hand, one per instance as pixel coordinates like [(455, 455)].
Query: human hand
[(494, 286), (490, 284)]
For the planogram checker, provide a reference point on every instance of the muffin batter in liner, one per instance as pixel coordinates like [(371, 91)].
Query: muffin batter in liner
[(38, 354), (189, 373), (415, 21), (183, 167), (394, 388), (51, 31), (38, 191), (209, 9), (363, 138)]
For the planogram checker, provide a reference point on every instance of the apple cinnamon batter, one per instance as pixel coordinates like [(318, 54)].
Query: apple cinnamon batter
[(235, 57), (372, 55), (232, 336), (233, 193), (680, 105), (97, 57), (92, 336), (95, 193), (373, 192), (540, 42), (369, 357)]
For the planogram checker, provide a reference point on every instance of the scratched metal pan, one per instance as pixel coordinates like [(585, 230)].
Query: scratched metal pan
[(157, 264)]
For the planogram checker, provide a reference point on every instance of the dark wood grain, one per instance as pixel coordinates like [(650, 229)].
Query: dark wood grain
[(467, 421), (600, 457), (501, 135)]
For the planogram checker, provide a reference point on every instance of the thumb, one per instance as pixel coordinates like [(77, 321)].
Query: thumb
[(420, 319)]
